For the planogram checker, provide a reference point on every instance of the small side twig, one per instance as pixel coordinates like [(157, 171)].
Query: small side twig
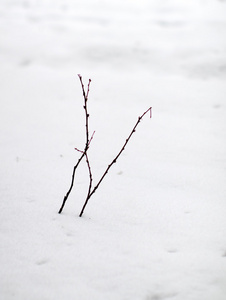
[(113, 162)]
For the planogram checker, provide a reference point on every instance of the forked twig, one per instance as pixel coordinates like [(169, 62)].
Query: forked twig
[(85, 154), (87, 143)]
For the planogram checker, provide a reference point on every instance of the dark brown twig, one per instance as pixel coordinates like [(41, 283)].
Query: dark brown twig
[(87, 143), (84, 153), (110, 165)]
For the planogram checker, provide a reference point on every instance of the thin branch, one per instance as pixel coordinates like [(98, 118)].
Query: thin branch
[(85, 96), (114, 160), (90, 177), (87, 143), (72, 182)]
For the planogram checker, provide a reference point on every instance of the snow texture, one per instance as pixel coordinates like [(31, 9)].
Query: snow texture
[(156, 227)]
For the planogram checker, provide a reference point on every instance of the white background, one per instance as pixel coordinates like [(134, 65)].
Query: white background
[(156, 227)]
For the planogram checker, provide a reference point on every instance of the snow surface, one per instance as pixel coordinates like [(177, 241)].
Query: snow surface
[(156, 227)]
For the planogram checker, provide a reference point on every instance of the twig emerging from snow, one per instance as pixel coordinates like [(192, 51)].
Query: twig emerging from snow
[(85, 154), (114, 160)]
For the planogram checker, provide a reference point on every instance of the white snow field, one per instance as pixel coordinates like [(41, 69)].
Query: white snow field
[(156, 227)]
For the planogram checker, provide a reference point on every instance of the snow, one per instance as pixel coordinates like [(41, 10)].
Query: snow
[(156, 227)]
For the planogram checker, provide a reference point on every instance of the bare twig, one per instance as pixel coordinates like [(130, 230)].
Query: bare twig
[(90, 178), (87, 143), (72, 182), (114, 161), (84, 153)]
